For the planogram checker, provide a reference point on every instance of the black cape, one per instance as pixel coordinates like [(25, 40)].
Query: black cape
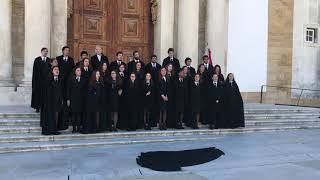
[(174, 160)]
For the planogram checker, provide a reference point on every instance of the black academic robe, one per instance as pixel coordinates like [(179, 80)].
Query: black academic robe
[(215, 104), (38, 81), (148, 100), (175, 63), (196, 103), (105, 123), (94, 102), (208, 72), (115, 66), (133, 96), (140, 75), (95, 63), (234, 105), (76, 94), (113, 96), (180, 95), (132, 66), (53, 102), (163, 90), (65, 67), (122, 124), (191, 72), (171, 115), (154, 71)]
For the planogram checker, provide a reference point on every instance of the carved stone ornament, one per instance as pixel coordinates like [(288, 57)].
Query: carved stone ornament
[(69, 8), (154, 11)]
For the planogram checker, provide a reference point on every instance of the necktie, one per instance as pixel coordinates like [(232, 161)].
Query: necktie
[(43, 59)]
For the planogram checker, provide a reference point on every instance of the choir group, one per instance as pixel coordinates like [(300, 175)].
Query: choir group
[(95, 96)]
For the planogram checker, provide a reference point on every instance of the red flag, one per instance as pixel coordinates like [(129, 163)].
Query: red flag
[(209, 55)]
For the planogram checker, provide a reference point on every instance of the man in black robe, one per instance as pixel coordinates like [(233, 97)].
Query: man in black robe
[(154, 68), (209, 69), (215, 102), (191, 71), (180, 98), (171, 60), (98, 59), (136, 59), (66, 65), (116, 64), (38, 80)]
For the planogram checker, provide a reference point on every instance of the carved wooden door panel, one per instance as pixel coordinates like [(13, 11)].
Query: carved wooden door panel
[(114, 24)]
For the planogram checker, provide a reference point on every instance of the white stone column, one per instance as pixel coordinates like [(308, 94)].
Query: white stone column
[(59, 26), (163, 29), (217, 31), (188, 31), (5, 43), (37, 33)]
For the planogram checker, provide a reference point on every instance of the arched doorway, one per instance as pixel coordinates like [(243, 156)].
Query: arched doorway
[(116, 25)]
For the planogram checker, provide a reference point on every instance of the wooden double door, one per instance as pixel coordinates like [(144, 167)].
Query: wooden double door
[(116, 25)]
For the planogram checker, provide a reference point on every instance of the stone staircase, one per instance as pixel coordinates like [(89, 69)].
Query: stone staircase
[(20, 131)]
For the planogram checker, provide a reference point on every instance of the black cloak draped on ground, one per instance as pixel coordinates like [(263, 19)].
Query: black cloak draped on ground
[(174, 160)]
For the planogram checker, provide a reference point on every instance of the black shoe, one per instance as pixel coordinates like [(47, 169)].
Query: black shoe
[(37, 110), (210, 126), (114, 129)]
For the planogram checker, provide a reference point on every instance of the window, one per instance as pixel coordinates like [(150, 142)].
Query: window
[(312, 35)]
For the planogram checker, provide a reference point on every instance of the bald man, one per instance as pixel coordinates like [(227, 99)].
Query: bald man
[(98, 58)]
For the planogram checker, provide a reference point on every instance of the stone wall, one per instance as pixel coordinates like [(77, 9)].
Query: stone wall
[(279, 65)]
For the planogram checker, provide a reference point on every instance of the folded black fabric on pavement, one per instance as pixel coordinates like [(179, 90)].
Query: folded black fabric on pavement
[(174, 160)]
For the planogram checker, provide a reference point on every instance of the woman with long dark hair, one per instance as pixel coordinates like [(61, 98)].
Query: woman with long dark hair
[(148, 100), (53, 102), (133, 102), (75, 98), (234, 103), (163, 89), (171, 115), (114, 87), (217, 71), (94, 104), (105, 123)]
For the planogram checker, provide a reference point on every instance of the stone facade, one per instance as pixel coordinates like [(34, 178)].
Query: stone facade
[(287, 55)]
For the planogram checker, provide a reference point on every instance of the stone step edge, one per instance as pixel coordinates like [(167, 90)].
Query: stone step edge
[(54, 147), (177, 133)]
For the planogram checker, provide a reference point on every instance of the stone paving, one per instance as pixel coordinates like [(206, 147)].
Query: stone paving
[(293, 155)]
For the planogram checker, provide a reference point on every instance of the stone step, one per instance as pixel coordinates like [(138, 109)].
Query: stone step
[(67, 135), (62, 142), (282, 122), (20, 122), (33, 119), (29, 114), (32, 125), (283, 116)]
